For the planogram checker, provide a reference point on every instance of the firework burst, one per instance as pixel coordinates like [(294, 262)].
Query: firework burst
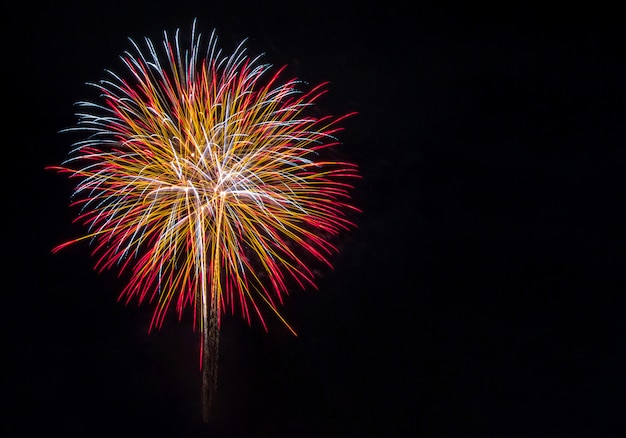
[(201, 176)]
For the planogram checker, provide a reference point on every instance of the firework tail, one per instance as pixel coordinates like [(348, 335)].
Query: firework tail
[(210, 327), (210, 353)]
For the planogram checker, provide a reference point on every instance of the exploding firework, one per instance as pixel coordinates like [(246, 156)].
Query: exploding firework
[(201, 176)]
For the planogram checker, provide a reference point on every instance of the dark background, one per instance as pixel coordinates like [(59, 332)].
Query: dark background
[(483, 293)]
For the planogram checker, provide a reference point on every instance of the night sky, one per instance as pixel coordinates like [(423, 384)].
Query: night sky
[(483, 293)]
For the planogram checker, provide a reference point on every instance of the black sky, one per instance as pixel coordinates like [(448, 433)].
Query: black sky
[(482, 294)]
